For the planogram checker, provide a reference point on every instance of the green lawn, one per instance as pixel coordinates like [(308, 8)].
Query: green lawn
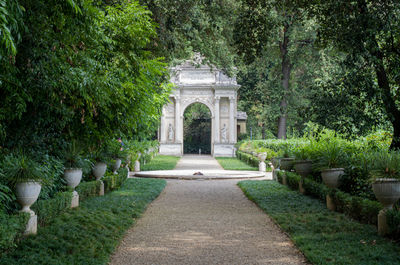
[(161, 162), (232, 163), (90, 233), (325, 237)]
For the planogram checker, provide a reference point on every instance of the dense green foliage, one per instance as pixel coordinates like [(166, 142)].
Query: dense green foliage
[(249, 159), (84, 73), (89, 234), (197, 129), (362, 158), (231, 163), (358, 208), (47, 210), (114, 181), (11, 229), (161, 162), (325, 237)]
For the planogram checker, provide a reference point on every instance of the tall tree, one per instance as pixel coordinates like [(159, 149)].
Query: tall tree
[(275, 29), (368, 32)]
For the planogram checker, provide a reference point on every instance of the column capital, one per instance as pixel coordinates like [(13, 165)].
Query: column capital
[(231, 98), (177, 97), (217, 98)]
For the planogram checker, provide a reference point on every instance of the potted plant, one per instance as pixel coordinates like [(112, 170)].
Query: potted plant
[(385, 177), (100, 156), (23, 173), (302, 164), (73, 162), (117, 152), (331, 159), (286, 160)]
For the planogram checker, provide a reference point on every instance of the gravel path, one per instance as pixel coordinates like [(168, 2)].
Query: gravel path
[(205, 222)]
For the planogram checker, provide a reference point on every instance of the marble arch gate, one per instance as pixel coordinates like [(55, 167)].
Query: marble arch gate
[(196, 82)]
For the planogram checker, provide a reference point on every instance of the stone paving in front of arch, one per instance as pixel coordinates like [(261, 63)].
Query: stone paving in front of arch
[(205, 222)]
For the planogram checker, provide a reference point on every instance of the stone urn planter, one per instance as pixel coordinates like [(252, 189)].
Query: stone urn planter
[(73, 177), (27, 193), (331, 176), (286, 163), (99, 170), (262, 157), (303, 167), (117, 165), (275, 162), (387, 191)]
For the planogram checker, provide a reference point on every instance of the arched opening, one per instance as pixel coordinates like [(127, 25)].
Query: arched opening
[(197, 129)]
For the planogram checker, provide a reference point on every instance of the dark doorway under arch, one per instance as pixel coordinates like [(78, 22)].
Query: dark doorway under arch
[(197, 129)]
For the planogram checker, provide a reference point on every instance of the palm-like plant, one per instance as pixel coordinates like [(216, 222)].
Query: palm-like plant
[(385, 165), (19, 167)]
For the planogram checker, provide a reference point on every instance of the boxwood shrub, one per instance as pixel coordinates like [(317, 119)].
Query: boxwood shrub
[(11, 229), (358, 208), (47, 210)]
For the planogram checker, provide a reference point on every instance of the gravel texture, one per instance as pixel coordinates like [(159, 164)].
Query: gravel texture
[(205, 222)]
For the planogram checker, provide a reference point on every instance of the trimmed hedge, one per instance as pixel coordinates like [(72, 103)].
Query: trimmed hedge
[(88, 189), (11, 229), (112, 182), (363, 210), (47, 210), (247, 158), (393, 220)]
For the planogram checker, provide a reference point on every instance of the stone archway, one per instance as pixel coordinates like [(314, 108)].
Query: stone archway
[(197, 129), (196, 82)]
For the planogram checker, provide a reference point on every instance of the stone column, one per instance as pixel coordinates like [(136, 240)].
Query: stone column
[(217, 132), (232, 120), (162, 126), (177, 120)]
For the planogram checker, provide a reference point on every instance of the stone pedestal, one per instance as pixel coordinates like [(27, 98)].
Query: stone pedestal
[(137, 166), (284, 180), (383, 228), (275, 174), (31, 226), (75, 199), (330, 204), (301, 188), (262, 167), (101, 192), (224, 150)]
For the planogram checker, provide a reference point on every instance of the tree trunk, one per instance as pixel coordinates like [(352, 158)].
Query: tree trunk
[(263, 131), (286, 70), (390, 105)]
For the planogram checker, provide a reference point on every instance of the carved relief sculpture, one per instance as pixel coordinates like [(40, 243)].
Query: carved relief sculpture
[(223, 134), (170, 133)]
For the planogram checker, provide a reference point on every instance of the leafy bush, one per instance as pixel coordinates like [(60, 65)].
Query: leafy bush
[(49, 209), (248, 158), (360, 209), (11, 229), (112, 181), (393, 220), (88, 189)]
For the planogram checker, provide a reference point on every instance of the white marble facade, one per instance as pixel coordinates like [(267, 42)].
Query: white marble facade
[(196, 82)]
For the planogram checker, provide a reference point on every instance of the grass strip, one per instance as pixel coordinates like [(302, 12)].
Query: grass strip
[(232, 163), (161, 162), (325, 237), (90, 233)]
